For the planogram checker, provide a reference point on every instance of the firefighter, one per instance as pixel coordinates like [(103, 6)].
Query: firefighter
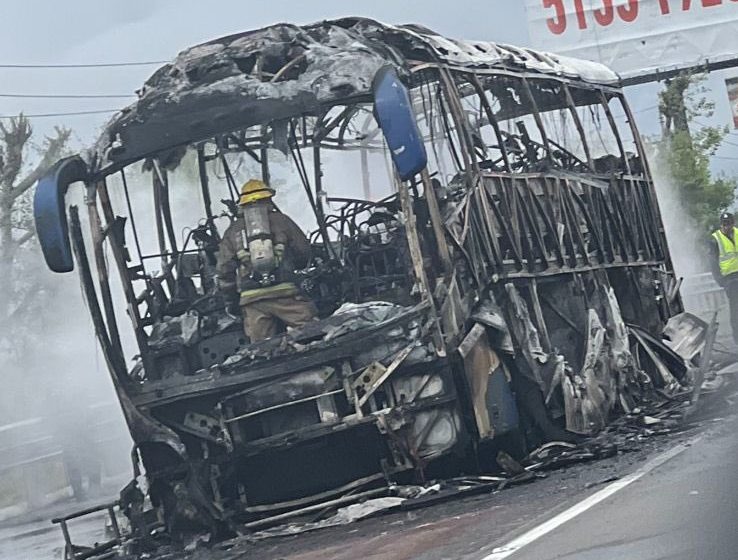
[(257, 259), (724, 249)]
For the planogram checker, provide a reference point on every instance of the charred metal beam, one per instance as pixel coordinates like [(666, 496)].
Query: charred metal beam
[(98, 239), (615, 131), (232, 187), (447, 129), (386, 373), (538, 313), (578, 123), (502, 215), (350, 498), (534, 232), (524, 233), (436, 222), (204, 183), (553, 307), (264, 156), (537, 116), (636, 137), (125, 278), (481, 234), (413, 240), (346, 488), (242, 142), (448, 83), (88, 288), (537, 205), (156, 183), (166, 207), (591, 225), (491, 223)]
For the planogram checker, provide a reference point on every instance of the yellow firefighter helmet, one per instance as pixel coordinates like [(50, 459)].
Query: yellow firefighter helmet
[(253, 190)]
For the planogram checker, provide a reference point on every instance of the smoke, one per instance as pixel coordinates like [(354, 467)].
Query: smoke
[(685, 238), (57, 402)]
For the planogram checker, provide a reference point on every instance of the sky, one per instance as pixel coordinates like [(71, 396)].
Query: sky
[(90, 31), (94, 31)]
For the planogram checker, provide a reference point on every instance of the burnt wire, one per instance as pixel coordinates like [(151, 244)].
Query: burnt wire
[(71, 114), (447, 128), (130, 215), (597, 124), (300, 165), (430, 119), (302, 172), (68, 95), (232, 188), (90, 65)]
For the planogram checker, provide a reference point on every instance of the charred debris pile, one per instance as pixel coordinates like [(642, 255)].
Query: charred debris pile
[(664, 379)]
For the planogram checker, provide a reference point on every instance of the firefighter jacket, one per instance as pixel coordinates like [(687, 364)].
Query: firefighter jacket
[(235, 275)]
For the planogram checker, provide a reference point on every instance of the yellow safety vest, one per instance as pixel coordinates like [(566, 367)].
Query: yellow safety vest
[(728, 252)]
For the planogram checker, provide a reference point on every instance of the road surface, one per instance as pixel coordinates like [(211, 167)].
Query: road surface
[(683, 509)]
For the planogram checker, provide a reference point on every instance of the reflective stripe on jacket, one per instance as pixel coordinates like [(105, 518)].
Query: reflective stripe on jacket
[(727, 252), (285, 289)]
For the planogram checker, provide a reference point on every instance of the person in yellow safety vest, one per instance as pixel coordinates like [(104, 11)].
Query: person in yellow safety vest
[(257, 259), (724, 248)]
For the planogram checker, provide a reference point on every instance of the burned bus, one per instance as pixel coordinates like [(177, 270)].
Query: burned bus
[(483, 225)]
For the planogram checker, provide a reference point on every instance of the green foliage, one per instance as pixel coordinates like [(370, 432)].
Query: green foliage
[(688, 153)]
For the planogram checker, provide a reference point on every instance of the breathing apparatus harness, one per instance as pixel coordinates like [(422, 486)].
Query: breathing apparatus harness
[(263, 254)]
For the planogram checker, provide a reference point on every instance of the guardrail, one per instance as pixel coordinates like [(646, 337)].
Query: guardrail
[(703, 296), (77, 552)]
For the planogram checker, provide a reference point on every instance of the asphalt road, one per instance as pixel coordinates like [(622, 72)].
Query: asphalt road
[(685, 509)]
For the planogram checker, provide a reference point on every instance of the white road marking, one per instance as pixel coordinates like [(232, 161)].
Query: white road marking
[(537, 532)]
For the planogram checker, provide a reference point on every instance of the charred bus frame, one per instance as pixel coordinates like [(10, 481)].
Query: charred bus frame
[(525, 261)]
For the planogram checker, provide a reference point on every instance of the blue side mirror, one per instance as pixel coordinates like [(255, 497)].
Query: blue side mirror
[(50, 213), (394, 113)]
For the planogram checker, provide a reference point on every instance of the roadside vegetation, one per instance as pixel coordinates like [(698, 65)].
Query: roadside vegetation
[(686, 147)]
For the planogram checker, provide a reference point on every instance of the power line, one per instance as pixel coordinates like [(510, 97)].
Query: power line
[(646, 109), (67, 96), (92, 65), (74, 113), (723, 141)]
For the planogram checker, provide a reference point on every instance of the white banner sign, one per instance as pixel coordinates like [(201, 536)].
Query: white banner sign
[(636, 36)]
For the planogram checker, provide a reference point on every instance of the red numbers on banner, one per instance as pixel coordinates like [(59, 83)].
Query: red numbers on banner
[(628, 12), (607, 13), (557, 24), (665, 5), (581, 16)]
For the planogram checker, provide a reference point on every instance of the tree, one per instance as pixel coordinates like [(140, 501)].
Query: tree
[(687, 154), (23, 286)]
